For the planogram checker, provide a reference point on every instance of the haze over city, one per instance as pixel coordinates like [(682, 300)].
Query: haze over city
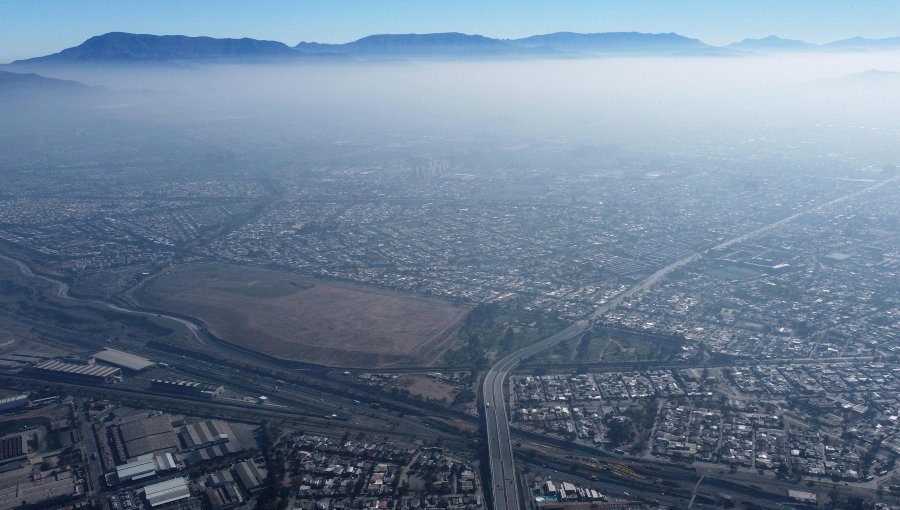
[(469, 255)]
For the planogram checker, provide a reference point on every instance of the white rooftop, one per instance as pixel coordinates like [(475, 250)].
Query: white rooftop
[(168, 491), (123, 359)]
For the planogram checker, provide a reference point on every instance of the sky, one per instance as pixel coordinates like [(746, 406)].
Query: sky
[(30, 28)]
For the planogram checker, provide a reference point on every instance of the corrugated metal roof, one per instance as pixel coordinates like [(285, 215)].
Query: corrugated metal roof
[(165, 462), (124, 359), (249, 474), (70, 368), (168, 491), (145, 465), (138, 468)]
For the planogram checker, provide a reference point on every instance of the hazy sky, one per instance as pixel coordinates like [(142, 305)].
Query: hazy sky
[(36, 27)]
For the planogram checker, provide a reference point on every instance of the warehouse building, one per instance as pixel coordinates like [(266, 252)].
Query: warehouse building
[(206, 433), (143, 435), (190, 388), (124, 360), (221, 491), (54, 369), (40, 492), (166, 492), (12, 447), (252, 477), (145, 466), (13, 403)]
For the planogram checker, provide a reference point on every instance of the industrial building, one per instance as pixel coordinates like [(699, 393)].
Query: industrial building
[(206, 433), (224, 497), (123, 359), (221, 491), (166, 492), (12, 447), (143, 435), (145, 466), (14, 402), (41, 492), (190, 388), (54, 369), (252, 477)]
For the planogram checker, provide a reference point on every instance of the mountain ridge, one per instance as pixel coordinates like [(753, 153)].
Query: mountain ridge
[(614, 42), (124, 47), (773, 43), (33, 81), (864, 44), (128, 48), (435, 44)]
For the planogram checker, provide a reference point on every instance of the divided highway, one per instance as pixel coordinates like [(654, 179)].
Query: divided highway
[(503, 469), (500, 452)]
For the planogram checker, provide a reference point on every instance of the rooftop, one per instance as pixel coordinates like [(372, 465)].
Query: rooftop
[(123, 359), (166, 492), (70, 368)]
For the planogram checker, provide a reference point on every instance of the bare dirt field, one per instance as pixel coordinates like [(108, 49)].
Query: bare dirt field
[(426, 387), (304, 319)]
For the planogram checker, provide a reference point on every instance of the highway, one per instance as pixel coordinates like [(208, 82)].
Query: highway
[(503, 469), (500, 452), (501, 459)]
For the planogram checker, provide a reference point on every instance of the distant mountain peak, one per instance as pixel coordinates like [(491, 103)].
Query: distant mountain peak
[(123, 47), (430, 38), (14, 86), (863, 44), (772, 43), (444, 44), (601, 38)]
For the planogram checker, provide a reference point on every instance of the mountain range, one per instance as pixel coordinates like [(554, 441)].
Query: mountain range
[(775, 44), (558, 44), (11, 83), (772, 43), (125, 48), (32, 91)]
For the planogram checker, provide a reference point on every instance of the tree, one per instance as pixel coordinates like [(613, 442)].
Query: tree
[(782, 470), (620, 431), (509, 338)]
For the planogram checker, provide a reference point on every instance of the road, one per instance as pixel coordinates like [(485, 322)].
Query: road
[(94, 470), (500, 453), (503, 469), (295, 400), (694, 493)]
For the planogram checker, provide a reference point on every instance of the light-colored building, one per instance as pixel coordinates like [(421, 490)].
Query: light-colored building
[(167, 492), (55, 369), (123, 359), (14, 402), (145, 466)]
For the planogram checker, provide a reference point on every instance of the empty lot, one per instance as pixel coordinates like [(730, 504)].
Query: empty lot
[(304, 319)]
